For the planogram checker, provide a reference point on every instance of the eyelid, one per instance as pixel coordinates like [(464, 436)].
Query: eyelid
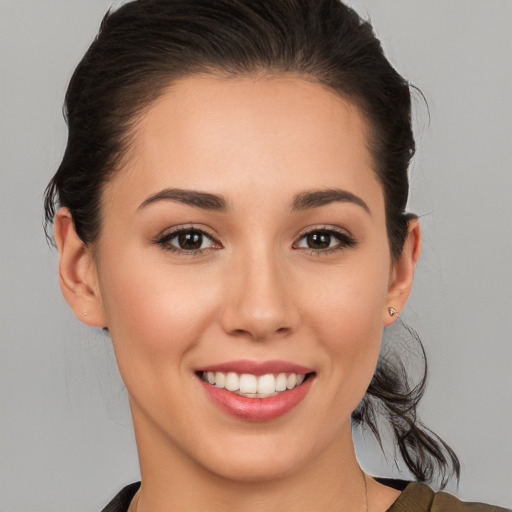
[(168, 234), (325, 228), (346, 239)]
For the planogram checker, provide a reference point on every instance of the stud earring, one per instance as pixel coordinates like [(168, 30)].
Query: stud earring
[(84, 313), (392, 311)]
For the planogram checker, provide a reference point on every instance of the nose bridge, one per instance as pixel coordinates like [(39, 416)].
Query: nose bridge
[(259, 303)]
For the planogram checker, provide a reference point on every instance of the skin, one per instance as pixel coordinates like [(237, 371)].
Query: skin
[(255, 291)]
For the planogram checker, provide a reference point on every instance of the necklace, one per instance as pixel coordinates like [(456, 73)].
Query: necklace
[(135, 500), (365, 498)]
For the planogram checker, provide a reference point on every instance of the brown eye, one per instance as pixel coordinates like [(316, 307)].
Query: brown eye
[(325, 241), (318, 240), (186, 241), (190, 241)]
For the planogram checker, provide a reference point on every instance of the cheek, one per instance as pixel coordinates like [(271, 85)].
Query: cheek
[(345, 314), (155, 311)]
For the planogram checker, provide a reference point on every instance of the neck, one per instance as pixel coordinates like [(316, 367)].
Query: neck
[(333, 481)]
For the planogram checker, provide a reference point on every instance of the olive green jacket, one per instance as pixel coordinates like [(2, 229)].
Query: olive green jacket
[(414, 498), (421, 498)]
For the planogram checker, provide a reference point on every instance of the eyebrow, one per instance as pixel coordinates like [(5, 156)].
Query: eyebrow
[(317, 198), (303, 201), (191, 197)]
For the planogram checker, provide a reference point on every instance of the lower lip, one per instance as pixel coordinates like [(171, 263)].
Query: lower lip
[(257, 409)]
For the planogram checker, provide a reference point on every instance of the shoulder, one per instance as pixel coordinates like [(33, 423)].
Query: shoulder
[(418, 497), (415, 497), (444, 502)]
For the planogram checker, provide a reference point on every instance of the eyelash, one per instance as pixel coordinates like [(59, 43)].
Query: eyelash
[(164, 241), (344, 241)]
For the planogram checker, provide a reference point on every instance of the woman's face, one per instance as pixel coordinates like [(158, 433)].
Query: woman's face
[(245, 235)]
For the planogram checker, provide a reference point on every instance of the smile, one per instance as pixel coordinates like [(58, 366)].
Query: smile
[(254, 386), (256, 391)]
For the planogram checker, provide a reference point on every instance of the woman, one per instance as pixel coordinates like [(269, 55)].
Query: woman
[(232, 209)]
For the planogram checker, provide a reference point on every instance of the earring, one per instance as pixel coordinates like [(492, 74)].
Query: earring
[(84, 313), (392, 311)]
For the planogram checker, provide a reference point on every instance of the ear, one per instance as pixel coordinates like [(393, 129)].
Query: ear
[(77, 272), (402, 272)]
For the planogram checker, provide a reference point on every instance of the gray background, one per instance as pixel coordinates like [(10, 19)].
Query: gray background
[(66, 440)]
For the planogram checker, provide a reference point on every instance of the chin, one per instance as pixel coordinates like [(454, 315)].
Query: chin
[(266, 455), (257, 465)]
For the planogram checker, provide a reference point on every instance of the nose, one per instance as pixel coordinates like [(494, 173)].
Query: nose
[(260, 300)]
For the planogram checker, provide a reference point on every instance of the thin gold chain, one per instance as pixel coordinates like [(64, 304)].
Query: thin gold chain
[(365, 500)]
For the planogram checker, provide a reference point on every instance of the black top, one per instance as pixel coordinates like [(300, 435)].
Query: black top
[(415, 497)]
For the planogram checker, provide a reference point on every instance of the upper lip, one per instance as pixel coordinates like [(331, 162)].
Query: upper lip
[(257, 367)]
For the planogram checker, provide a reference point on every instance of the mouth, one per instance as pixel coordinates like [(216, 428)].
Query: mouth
[(254, 386), (256, 391)]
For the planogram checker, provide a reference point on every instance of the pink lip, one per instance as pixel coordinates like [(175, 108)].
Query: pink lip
[(257, 367), (257, 409)]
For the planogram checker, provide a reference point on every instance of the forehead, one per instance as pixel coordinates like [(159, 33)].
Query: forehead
[(262, 134)]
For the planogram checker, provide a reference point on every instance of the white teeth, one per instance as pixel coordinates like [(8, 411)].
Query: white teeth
[(291, 381), (281, 382), (232, 382), (248, 383), (266, 384), (220, 380), (253, 386)]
